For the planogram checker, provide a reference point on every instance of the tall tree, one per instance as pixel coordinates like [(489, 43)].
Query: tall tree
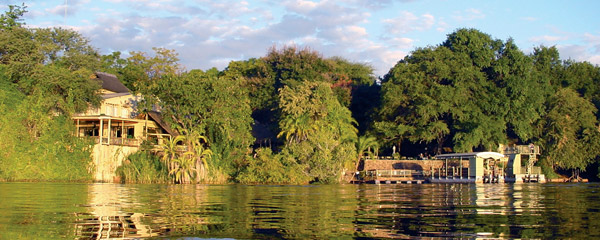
[(210, 104), (322, 141), (143, 72), (571, 131), (473, 89), (513, 73), (50, 70)]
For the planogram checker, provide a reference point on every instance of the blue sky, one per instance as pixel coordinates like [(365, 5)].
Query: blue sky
[(376, 32)]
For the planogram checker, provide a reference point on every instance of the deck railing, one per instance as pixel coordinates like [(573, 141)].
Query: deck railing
[(522, 149), (449, 172), (116, 141), (535, 170), (391, 174)]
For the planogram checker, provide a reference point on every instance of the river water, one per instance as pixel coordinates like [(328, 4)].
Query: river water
[(76, 210)]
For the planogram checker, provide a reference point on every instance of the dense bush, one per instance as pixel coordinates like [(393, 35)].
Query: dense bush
[(143, 167)]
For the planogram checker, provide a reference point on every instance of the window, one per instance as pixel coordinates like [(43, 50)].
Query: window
[(108, 110)]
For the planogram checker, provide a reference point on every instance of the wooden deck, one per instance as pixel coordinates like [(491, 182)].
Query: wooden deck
[(391, 176)]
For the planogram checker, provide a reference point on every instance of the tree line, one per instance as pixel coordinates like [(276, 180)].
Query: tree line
[(294, 116)]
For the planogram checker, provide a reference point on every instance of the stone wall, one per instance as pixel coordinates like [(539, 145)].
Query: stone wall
[(410, 164), (106, 160)]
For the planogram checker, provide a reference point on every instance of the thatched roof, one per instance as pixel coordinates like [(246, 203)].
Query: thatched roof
[(111, 82), (157, 117)]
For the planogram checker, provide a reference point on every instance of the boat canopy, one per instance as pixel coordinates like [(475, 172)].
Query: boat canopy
[(493, 155)]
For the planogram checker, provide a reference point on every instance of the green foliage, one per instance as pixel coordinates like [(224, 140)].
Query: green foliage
[(186, 157), (363, 146), (470, 93), (525, 93), (51, 64), (45, 77), (266, 167), (310, 109), (114, 64), (571, 132), (36, 146), (583, 77), (322, 141), (472, 89), (292, 66), (143, 167), (207, 104), (257, 79), (142, 73), (183, 171), (478, 47), (480, 92), (12, 18)]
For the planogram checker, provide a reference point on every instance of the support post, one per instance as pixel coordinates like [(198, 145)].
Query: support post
[(461, 167), (446, 171), (146, 127), (101, 130), (108, 127), (122, 132)]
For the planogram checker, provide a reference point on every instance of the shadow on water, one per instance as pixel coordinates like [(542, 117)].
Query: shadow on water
[(94, 211)]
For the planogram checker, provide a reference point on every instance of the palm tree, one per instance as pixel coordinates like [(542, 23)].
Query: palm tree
[(183, 168), (297, 129), (341, 122), (362, 144), (171, 151), (201, 155)]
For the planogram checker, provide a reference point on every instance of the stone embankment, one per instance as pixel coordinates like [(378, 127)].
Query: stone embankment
[(417, 165)]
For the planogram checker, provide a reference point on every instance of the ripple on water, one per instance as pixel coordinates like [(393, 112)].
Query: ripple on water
[(59, 210)]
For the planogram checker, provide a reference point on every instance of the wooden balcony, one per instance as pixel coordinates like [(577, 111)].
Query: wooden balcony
[(116, 141)]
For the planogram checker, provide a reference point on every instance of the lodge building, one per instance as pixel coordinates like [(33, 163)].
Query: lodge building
[(119, 126)]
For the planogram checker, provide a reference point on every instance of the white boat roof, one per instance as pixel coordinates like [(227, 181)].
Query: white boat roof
[(493, 155)]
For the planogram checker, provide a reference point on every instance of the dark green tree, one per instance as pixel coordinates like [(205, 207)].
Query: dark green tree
[(571, 131), (213, 105), (318, 129)]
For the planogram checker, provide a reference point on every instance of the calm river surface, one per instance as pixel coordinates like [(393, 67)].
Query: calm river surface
[(75, 210)]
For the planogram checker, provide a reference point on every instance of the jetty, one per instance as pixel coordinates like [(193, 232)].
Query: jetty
[(510, 164)]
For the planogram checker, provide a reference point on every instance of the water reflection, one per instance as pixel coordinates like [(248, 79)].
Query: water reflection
[(94, 211), (107, 219)]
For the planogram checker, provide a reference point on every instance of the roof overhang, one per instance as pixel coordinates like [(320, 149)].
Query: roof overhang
[(493, 155), (104, 117)]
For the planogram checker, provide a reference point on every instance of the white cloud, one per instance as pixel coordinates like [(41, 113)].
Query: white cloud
[(578, 53), (301, 6), (588, 50), (593, 41), (442, 26), (69, 8), (402, 43), (548, 39), (594, 59), (408, 22), (468, 15)]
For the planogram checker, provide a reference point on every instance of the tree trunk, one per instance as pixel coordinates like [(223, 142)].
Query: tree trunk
[(198, 170), (439, 145)]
